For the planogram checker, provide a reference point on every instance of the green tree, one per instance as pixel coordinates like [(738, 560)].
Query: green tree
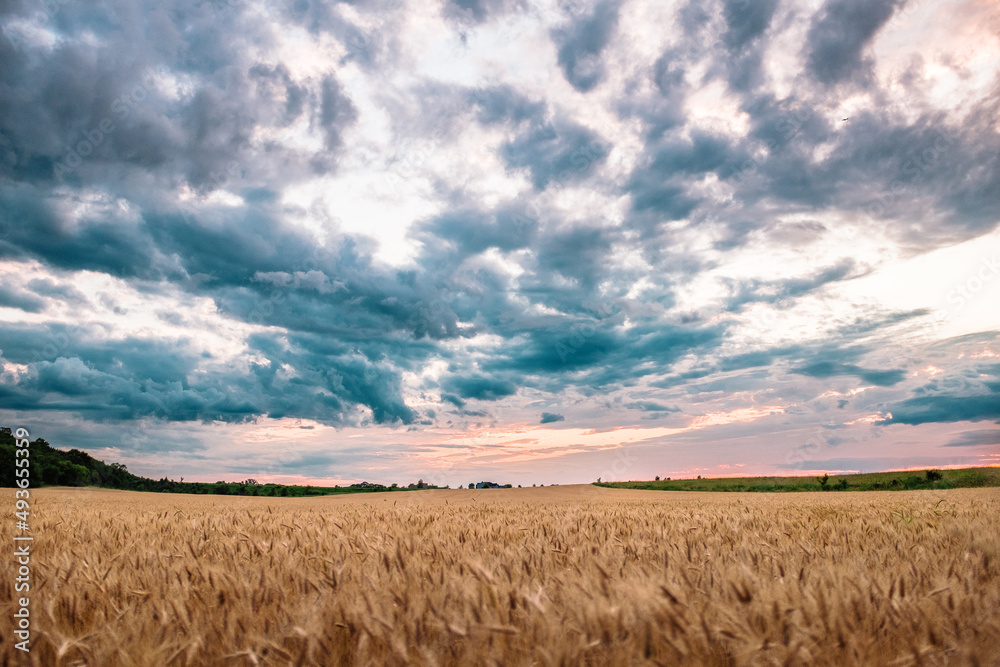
[(71, 474)]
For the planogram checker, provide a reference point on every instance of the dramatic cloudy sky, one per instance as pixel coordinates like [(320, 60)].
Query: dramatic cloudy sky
[(531, 242)]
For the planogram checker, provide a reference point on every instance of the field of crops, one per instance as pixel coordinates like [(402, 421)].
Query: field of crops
[(570, 575), (871, 481)]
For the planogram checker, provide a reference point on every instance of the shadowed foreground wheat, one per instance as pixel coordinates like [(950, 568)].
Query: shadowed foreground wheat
[(550, 576)]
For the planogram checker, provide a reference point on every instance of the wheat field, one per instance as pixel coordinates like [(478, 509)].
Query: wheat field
[(570, 575)]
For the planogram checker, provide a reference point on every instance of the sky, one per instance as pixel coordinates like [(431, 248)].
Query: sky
[(525, 242)]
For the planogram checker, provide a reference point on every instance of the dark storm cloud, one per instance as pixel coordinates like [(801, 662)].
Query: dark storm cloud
[(35, 223), (741, 46), (500, 104), (478, 11), (658, 185), (259, 270), (976, 439), (274, 83), (256, 267), (454, 400), (747, 360), (757, 291), (839, 34), (12, 297), (335, 112), (886, 168), (65, 293), (329, 380), (596, 353), (371, 42), (830, 357), (479, 387), (891, 170), (970, 393), (551, 417), (581, 43), (728, 383), (75, 111), (663, 109), (669, 201), (545, 143), (700, 153), (746, 20), (232, 247), (472, 232), (827, 369), (378, 316), (117, 380), (943, 408), (563, 151), (651, 406), (577, 253), (134, 378)]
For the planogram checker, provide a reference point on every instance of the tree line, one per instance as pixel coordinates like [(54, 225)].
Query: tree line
[(54, 467)]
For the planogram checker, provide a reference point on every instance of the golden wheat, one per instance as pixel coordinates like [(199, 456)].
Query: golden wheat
[(549, 576)]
